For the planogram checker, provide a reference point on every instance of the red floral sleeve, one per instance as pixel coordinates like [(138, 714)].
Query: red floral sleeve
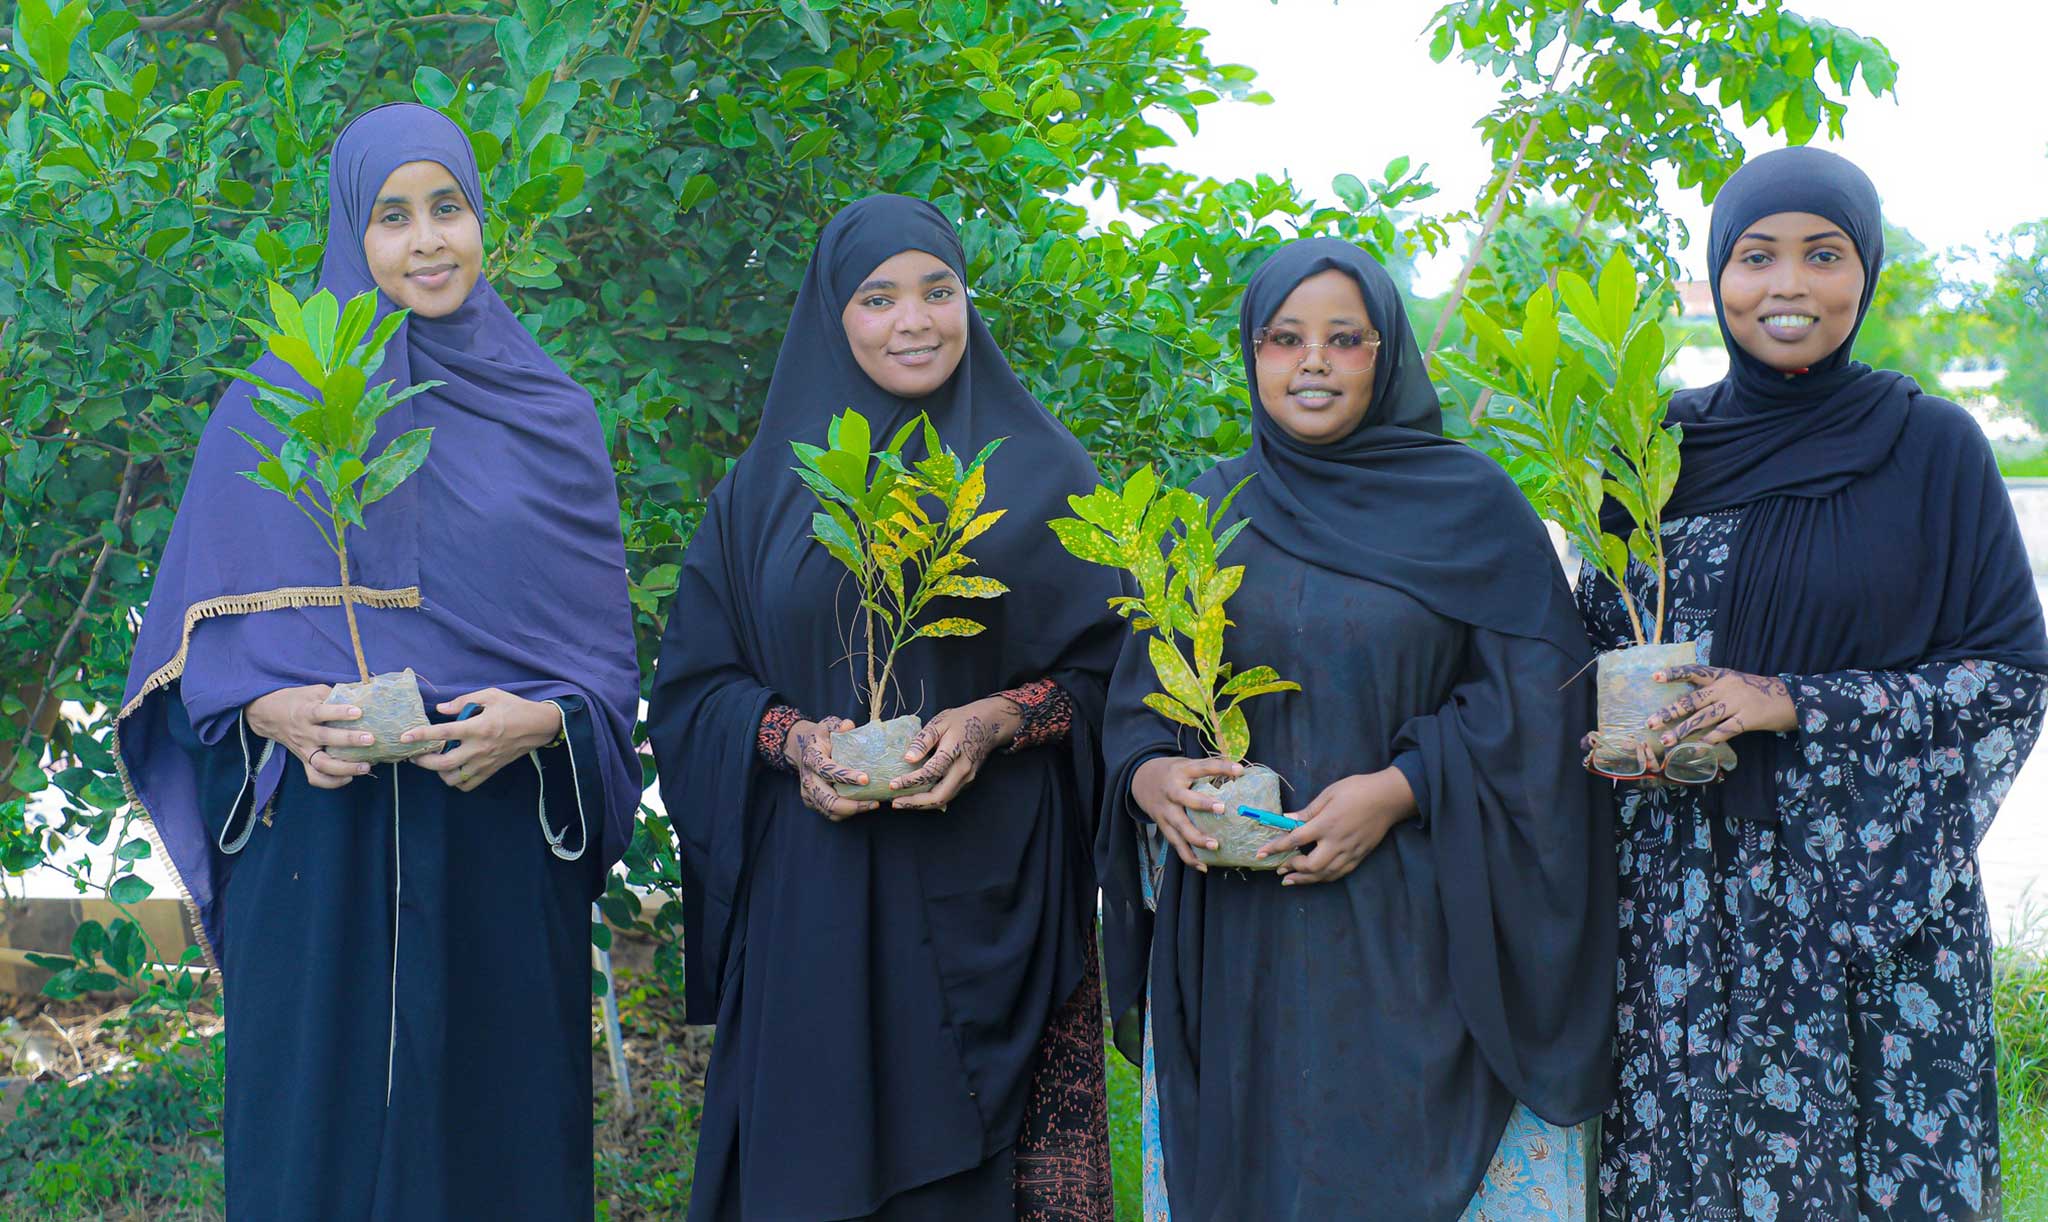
[(774, 732), (1047, 710)]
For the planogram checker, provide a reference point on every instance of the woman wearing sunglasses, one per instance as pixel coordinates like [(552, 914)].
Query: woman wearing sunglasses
[(1805, 1026), (1410, 1019)]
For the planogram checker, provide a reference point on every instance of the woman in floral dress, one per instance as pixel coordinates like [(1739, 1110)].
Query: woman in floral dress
[(1804, 1016)]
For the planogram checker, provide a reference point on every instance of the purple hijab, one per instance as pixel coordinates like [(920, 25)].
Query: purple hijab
[(499, 564)]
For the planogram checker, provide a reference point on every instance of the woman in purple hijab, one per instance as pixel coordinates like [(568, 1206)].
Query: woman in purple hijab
[(404, 953)]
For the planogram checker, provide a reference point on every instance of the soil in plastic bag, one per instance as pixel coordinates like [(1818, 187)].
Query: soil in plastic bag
[(877, 749), (391, 705), (1237, 837), (1628, 697)]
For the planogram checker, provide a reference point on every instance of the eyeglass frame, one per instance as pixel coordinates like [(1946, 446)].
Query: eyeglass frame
[(1371, 347), (1659, 772)]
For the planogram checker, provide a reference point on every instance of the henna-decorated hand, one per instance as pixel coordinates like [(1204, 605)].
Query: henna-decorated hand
[(808, 748), (1723, 704), (954, 745)]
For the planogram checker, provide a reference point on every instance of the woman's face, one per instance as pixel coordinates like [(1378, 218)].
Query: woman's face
[(1791, 290), (1314, 359), (907, 324), (425, 245)]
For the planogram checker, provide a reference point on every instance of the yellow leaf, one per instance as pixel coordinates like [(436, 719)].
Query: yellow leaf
[(1174, 675), (1209, 643), (980, 525), (968, 500), (967, 587), (1171, 709), (955, 626)]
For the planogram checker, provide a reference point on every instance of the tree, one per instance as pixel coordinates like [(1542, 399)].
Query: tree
[(656, 171), (1597, 95), (2010, 316)]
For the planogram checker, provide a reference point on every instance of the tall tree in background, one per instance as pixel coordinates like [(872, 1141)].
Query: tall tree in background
[(1600, 96)]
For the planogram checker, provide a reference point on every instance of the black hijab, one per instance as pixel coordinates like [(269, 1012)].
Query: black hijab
[(1508, 878), (860, 933), (1877, 533), (1394, 502)]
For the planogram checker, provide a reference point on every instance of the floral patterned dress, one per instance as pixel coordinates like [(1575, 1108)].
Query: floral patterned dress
[(1804, 1005)]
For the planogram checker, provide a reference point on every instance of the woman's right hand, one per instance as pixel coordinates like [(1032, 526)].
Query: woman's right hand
[(808, 748), (1164, 788), (298, 717)]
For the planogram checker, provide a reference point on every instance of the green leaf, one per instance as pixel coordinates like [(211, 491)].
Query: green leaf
[(134, 850), (433, 86), (813, 23), (851, 434), (398, 461), (128, 889), (695, 191), (47, 34)]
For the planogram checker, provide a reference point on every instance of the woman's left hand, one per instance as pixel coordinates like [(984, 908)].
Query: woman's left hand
[(954, 745), (509, 727), (1723, 703), (1345, 823)]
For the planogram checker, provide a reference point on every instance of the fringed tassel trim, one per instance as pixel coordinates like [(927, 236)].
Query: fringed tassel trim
[(267, 600), (230, 604)]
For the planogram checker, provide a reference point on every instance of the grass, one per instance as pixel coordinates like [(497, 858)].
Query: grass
[(2019, 1001), (2034, 466), (1125, 1163), (140, 1143)]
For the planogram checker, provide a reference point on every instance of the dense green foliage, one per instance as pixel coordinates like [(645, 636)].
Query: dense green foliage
[(657, 171)]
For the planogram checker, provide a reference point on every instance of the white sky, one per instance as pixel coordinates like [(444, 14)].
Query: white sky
[(1962, 152)]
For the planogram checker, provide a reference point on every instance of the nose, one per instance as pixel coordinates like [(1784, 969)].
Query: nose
[(1787, 279), (427, 238), (916, 315), (1315, 358)]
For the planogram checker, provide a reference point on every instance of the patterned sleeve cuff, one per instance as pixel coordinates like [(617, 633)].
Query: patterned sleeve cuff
[(775, 727), (1047, 710)]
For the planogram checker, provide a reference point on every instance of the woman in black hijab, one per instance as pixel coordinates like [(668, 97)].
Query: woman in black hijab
[(1805, 1021), (1355, 1037), (906, 996)]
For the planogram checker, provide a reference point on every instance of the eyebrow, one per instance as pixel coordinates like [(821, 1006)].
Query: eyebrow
[(1760, 236), (438, 193), (943, 274), (1291, 320)]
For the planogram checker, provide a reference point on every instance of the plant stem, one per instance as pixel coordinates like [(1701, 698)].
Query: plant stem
[(874, 689), (1662, 583), (348, 602)]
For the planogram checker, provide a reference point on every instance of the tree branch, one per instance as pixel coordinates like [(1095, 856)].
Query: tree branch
[(123, 509)]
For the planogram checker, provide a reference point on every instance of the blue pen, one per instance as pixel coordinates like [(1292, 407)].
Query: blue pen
[(1268, 818)]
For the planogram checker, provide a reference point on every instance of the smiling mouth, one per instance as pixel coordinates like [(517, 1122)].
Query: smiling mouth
[(915, 356), (1313, 396), (1788, 326)]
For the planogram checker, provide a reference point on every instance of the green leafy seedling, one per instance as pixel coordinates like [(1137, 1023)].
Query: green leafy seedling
[(1166, 538), (901, 529), (322, 465), (1578, 408)]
